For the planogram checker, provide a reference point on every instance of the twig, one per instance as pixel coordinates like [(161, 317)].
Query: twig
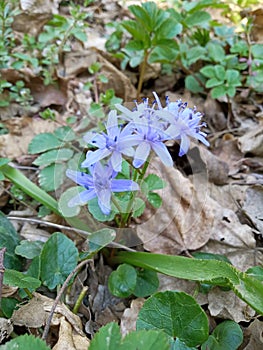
[(62, 227), (2, 270), (55, 304)]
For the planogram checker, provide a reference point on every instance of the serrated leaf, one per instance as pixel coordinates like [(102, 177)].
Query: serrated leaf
[(53, 156), (18, 279), (147, 283), (9, 239), (226, 336), (64, 256), (122, 282), (146, 340), (65, 134), (29, 249), (107, 338), (177, 314), (25, 342), (43, 142), (52, 176)]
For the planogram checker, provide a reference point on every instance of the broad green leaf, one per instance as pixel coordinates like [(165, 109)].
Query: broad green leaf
[(163, 55), (25, 342), (100, 239), (218, 91), (169, 29), (213, 82), (147, 283), (107, 338), (154, 199), (138, 207), (143, 16), (18, 279), (65, 134), (96, 212), (210, 256), (80, 35), (177, 314), (197, 18), (208, 71), (231, 91), (220, 72), (216, 272), (34, 268), (256, 272), (216, 52), (233, 77), (179, 345), (43, 142), (63, 254), (226, 336), (195, 53), (134, 29), (152, 182), (52, 176), (134, 45), (29, 249), (192, 84), (9, 239), (8, 306), (66, 196), (122, 282), (257, 50), (2, 176), (53, 156), (146, 340)]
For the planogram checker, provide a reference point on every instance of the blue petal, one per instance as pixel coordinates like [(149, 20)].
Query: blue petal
[(120, 185), (82, 198), (94, 157), (141, 154), (184, 146), (116, 160), (80, 178), (161, 150), (104, 197)]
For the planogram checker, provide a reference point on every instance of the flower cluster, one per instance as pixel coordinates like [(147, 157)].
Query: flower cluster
[(135, 135)]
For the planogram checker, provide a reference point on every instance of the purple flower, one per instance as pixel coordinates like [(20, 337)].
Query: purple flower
[(99, 183), (114, 143), (150, 131)]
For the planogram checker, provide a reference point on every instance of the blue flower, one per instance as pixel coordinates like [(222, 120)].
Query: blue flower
[(114, 143), (150, 130), (99, 183), (183, 122)]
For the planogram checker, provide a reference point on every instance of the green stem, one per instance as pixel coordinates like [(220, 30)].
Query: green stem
[(79, 300), (22, 182), (142, 72)]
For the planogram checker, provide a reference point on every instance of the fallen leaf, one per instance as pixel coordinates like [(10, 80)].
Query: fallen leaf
[(255, 334), (6, 328), (252, 141), (129, 317), (253, 206)]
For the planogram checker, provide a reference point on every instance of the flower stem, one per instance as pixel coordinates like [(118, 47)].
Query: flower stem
[(142, 72)]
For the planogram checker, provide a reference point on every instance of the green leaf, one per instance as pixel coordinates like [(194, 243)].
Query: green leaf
[(216, 52), (146, 340), (65, 134), (257, 50), (134, 45), (4, 161), (220, 72), (213, 82), (152, 182), (138, 207), (247, 288), (55, 155), (100, 239), (64, 209), (197, 18), (8, 306), (192, 84), (256, 272), (122, 282), (208, 71), (134, 29), (29, 249), (42, 143), (154, 199), (107, 338), (28, 342), (169, 29), (210, 256), (52, 176), (163, 55), (177, 314), (147, 283), (233, 77), (195, 53), (9, 239), (226, 336), (218, 91), (18, 279), (96, 212), (64, 256)]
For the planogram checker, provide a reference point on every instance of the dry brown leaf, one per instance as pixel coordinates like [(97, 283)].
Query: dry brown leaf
[(252, 141), (130, 315), (227, 305), (69, 339), (8, 291), (255, 334), (253, 206), (6, 328), (257, 27), (13, 146)]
